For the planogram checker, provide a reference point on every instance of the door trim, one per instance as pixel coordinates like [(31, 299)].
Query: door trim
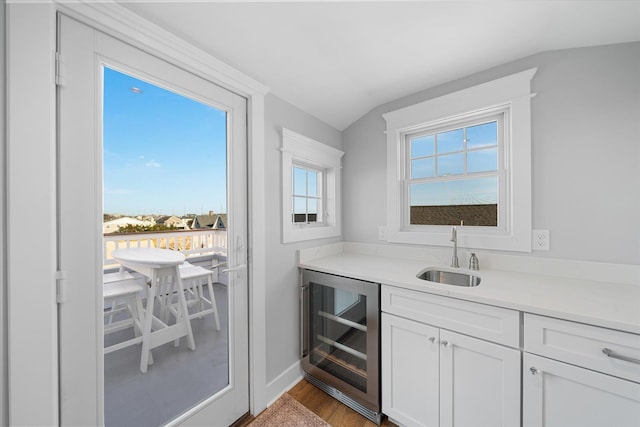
[(31, 36)]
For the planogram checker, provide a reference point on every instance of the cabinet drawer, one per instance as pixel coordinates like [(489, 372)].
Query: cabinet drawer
[(583, 345), (482, 321)]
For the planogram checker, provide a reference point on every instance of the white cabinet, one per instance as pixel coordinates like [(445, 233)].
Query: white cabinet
[(479, 383), (433, 376), (556, 393), (410, 371)]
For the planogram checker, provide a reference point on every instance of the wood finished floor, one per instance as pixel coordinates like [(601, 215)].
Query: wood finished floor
[(326, 407)]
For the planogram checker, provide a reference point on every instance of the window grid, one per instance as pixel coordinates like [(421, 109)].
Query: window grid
[(437, 155), (440, 153), (310, 196)]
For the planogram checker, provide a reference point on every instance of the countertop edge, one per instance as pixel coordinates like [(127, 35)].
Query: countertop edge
[(520, 296)]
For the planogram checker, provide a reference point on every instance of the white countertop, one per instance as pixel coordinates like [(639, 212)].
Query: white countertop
[(602, 303)]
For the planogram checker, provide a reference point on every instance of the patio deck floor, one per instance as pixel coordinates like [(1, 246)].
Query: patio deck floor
[(178, 379)]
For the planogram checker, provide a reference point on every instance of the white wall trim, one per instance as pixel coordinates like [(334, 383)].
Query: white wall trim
[(257, 258), (120, 22), (284, 382), (31, 129)]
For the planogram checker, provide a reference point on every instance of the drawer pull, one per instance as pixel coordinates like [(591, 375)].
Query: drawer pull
[(445, 343), (534, 370), (432, 339), (609, 353)]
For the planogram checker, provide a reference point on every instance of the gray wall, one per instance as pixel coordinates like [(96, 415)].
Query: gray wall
[(3, 309), (282, 310), (586, 153)]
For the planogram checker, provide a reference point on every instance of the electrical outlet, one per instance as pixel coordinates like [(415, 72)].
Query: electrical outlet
[(382, 232), (540, 240)]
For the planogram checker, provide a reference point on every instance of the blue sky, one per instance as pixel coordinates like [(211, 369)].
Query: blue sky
[(443, 155), (163, 153)]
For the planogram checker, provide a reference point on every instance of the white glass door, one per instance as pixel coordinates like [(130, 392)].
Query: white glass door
[(149, 157)]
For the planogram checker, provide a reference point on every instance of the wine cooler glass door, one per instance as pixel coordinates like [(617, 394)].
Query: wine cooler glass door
[(341, 339)]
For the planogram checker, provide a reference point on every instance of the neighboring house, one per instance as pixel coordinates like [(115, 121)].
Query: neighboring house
[(189, 221), (112, 226), (212, 221), (172, 221)]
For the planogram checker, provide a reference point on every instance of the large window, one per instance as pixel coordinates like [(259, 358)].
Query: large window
[(454, 172), (463, 159), (310, 188)]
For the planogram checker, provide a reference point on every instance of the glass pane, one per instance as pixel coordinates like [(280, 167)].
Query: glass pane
[(312, 210), (299, 209), (423, 146), (452, 140), (299, 181), (422, 168), (474, 201), (482, 135), (312, 206), (451, 164), (312, 183), (338, 335), (482, 160), (152, 183), (299, 204)]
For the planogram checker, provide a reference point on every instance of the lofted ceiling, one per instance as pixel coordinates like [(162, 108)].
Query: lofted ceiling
[(337, 60)]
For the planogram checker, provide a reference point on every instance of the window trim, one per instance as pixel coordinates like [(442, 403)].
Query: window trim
[(300, 150), (512, 92)]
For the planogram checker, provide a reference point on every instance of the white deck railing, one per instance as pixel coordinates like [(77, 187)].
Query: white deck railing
[(189, 242)]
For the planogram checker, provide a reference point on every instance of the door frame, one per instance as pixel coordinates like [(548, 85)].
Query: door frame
[(31, 172)]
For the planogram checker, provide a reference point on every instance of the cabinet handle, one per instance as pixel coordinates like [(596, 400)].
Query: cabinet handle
[(432, 339), (445, 343), (304, 313), (609, 353), (534, 370)]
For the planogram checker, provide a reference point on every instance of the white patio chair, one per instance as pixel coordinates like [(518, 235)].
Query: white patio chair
[(121, 293), (194, 279)]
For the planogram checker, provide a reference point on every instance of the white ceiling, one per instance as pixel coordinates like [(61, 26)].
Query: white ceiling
[(338, 60)]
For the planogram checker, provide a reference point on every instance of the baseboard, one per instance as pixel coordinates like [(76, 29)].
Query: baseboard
[(283, 382)]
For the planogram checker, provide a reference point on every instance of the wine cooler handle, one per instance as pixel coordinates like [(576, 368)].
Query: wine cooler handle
[(304, 311)]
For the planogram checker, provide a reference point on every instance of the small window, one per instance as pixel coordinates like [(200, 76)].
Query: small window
[(307, 195), (311, 173)]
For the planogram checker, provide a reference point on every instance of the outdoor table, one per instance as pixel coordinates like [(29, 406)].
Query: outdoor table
[(158, 264)]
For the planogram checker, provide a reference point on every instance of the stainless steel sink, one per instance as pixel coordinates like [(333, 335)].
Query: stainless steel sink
[(449, 277)]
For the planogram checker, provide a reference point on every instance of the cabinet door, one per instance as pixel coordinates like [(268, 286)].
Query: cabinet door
[(409, 371), (560, 395), (479, 383)]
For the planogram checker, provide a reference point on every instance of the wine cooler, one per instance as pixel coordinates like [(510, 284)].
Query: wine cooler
[(340, 334)]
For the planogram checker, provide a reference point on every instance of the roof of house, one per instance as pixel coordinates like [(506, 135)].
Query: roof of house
[(475, 215), (217, 221), (165, 218)]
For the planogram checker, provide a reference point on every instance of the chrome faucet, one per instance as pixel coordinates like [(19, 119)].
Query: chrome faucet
[(454, 239), (474, 264)]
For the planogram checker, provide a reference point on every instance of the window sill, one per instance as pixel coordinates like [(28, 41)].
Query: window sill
[(298, 234)]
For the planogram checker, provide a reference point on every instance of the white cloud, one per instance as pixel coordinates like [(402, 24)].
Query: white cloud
[(152, 164)]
